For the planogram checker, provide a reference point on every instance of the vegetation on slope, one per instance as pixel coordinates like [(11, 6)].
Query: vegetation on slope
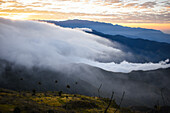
[(54, 102)]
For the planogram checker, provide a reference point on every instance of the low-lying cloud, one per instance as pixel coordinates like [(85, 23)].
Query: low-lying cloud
[(31, 43), (128, 67)]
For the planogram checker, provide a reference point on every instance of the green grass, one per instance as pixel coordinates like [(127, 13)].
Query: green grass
[(50, 101)]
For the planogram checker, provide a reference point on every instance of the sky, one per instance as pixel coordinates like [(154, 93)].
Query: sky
[(154, 14)]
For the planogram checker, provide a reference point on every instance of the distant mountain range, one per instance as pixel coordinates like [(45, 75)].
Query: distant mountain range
[(144, 50), (144, 47), (108, 28)]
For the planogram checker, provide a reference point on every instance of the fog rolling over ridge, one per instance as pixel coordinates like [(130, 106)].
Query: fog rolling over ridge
[(38, 51), (38, 44)]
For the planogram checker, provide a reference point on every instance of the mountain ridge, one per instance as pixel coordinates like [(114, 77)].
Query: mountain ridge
[(152, 51), (110, 29)]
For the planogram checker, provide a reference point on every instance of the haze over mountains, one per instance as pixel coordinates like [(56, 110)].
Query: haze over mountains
[(144, 50), (30, 43), (145, 44), (38, 51), (110, 29)]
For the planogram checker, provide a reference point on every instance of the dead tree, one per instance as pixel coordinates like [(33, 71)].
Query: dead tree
[(109, 103), (99, 90), (120, 102), (33, 92)]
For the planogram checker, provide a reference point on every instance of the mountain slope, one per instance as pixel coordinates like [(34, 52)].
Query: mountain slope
[(137, 84), (107, 28), (144, 50)]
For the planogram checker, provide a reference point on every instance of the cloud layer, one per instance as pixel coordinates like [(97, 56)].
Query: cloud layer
[(140, 11), (31, 43)]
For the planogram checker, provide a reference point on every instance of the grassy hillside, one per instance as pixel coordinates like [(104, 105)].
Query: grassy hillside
[(57, 102)]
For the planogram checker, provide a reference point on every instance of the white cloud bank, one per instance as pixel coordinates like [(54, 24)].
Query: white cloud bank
[(128, 67), (44, 45)]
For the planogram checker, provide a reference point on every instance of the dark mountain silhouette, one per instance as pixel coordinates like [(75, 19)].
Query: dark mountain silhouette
[(108, 28), (144, 50)]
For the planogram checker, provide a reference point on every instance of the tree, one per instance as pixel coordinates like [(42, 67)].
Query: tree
[(109, 103), (99, 90), (120, 102)]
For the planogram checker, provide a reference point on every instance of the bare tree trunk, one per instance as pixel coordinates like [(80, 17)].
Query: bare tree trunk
[(109, 103), (99, 90), (120, 102)]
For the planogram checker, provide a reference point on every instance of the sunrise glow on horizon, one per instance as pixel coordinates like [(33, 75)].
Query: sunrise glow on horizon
[(152, 14)]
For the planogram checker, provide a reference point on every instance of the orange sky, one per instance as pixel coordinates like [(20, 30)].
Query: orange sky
[(133, 13), (165, 27)]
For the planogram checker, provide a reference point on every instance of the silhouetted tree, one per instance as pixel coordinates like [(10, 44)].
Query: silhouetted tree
[(33, 92), (56, 81), (60, 93), (68, 86), (99, 90), (109, 103), (39, 83), (120, 102)]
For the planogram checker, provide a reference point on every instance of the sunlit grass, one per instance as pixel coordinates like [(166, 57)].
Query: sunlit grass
[(44, 101)]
